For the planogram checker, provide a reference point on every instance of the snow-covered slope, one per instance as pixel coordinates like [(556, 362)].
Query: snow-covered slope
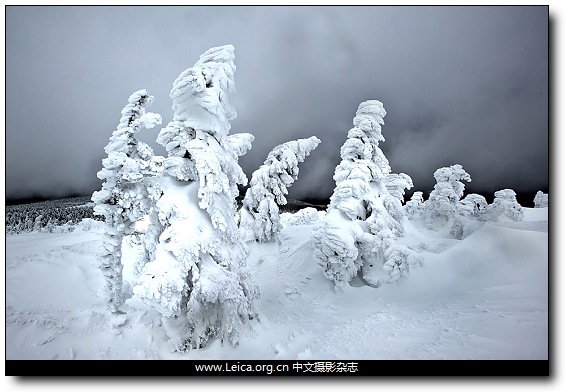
[(484, 297)]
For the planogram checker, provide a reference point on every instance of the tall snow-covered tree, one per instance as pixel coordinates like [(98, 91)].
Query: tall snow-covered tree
[(259, 217), (358, 234), (541, 200), (441, 207), (198, 278), (122, 201), (504, 208)]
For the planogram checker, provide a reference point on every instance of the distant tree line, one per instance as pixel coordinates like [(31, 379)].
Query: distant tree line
[(48, 216)]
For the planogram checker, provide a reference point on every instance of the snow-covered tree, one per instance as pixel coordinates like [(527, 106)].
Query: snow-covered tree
[(198, 277), (468, 217), (359, 232), (415, 206), (541, 200), (37, 223), (504, 208), (472, 206), (259, 217), (396, 184), (123, 198), (441, 207)]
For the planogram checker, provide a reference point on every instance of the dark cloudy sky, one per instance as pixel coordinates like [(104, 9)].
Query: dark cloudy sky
[(465, 85)]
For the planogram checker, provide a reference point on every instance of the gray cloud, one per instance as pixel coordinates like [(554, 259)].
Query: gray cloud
[(464, 85)]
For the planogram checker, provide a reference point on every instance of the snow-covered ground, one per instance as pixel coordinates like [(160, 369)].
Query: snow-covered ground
[(484, 297)]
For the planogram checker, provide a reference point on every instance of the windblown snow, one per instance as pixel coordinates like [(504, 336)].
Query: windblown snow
[(482, 297)]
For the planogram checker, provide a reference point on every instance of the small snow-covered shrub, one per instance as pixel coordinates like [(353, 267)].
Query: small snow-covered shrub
[(472, 206), (504, 208), (469, 214), (92, 225), (414, 207), (441, 207), (541, 200), (305, 216)]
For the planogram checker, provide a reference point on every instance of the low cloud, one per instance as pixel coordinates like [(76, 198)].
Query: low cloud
[(464, 85)]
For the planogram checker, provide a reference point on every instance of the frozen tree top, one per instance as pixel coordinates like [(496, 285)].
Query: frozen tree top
[(451, 174), (287, 155), (397, 183), (134, 117), (369, 117), (417, 195), (200, 94), (279, 171), (241, 143), (371, 107), (505, 194), (363, 139), (449, 185), (135, 108)]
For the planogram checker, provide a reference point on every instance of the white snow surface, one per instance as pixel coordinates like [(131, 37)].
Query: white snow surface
[(483, 297)]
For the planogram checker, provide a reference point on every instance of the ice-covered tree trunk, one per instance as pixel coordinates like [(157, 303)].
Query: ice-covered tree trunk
[(122, 200), (198, 277), (259, 216), (359, 232), (154, 228)]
